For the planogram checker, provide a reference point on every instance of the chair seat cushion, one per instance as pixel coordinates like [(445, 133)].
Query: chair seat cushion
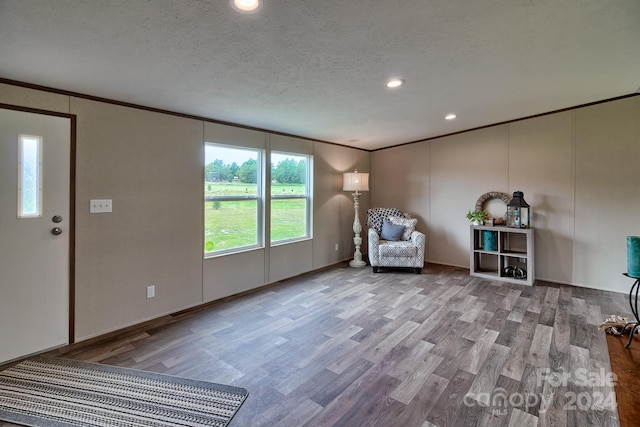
[(400, 248)]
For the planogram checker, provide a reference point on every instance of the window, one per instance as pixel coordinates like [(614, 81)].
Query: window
[(233, 199), (290, 197), (29, 176)]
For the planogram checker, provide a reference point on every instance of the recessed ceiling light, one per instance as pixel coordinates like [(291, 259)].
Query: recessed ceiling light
[(395, 83), (450, 116), (245, 5)]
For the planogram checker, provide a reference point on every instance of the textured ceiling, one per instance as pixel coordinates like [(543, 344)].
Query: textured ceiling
[(317, 68)]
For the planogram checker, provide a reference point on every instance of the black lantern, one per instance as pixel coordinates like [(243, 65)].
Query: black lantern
[(518, 211)]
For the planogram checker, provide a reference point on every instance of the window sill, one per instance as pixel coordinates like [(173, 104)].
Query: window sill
[(290, 241), (233, 252)]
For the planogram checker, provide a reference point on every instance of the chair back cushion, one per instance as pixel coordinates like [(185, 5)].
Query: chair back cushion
[(376, 216), (408, 223)]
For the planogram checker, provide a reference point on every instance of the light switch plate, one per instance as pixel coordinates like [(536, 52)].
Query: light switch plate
[(100, 206)]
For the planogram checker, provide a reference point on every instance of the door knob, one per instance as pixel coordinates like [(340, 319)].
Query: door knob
[(57, 219), (56, 231)]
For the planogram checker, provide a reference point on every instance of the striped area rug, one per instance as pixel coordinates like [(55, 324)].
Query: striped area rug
[(44, 391)]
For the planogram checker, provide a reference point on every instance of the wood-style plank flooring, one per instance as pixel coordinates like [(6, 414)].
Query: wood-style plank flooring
[(347, 347)]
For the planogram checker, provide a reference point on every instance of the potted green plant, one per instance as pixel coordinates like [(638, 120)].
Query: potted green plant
[(477, 217)]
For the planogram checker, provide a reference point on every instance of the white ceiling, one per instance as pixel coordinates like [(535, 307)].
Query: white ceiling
[(317, 68)]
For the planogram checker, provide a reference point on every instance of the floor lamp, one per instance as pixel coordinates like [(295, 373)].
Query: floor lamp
[(356, 182)]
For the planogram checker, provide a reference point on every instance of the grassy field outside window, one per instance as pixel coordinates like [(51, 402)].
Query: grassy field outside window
[(290, 199), (232, 224), (234, 195), (232, 198)]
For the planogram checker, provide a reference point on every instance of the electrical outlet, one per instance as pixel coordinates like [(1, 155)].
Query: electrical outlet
[(100, 206), (337, 247), (151, 291)]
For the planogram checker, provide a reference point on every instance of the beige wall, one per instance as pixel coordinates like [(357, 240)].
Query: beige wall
[(334, 214), (541, 164), (332, 217), (576, 169), (462, 168), (30, 98), (151, 165), (607, 191), (400, 181)]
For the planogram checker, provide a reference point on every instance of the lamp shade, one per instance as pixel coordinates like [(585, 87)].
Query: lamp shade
[(354, 181)]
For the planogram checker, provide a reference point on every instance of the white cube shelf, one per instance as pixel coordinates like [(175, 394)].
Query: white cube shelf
[(515, 248)]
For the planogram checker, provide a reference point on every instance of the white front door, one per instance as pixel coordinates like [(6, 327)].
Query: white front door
[(34, 232)]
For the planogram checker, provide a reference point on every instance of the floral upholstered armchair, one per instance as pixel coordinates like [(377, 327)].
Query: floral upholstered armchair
[(393, 240)]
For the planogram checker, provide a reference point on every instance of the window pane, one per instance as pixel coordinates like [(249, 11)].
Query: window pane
[(230, 171), (230, 224), (289, 214), (288, 219), (29, 192), (288, 174)]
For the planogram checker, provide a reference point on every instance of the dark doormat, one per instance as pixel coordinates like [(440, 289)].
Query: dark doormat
[(45, 391)]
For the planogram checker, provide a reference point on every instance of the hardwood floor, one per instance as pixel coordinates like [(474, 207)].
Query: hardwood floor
[(346, 347), (625, 363)]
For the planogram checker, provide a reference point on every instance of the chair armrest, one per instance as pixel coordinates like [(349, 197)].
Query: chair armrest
[(420, 240), (373, 235), (374, 242)]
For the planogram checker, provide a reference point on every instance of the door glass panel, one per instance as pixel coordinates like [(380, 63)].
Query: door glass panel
[(29, 176)]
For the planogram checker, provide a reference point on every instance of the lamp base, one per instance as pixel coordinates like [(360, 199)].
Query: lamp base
[(356, 263), (357, 240)]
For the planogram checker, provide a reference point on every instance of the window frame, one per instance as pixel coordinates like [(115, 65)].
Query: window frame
[(307, 196), (258, 197)]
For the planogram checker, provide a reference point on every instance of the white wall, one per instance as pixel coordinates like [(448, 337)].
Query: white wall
[(576, 169)]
